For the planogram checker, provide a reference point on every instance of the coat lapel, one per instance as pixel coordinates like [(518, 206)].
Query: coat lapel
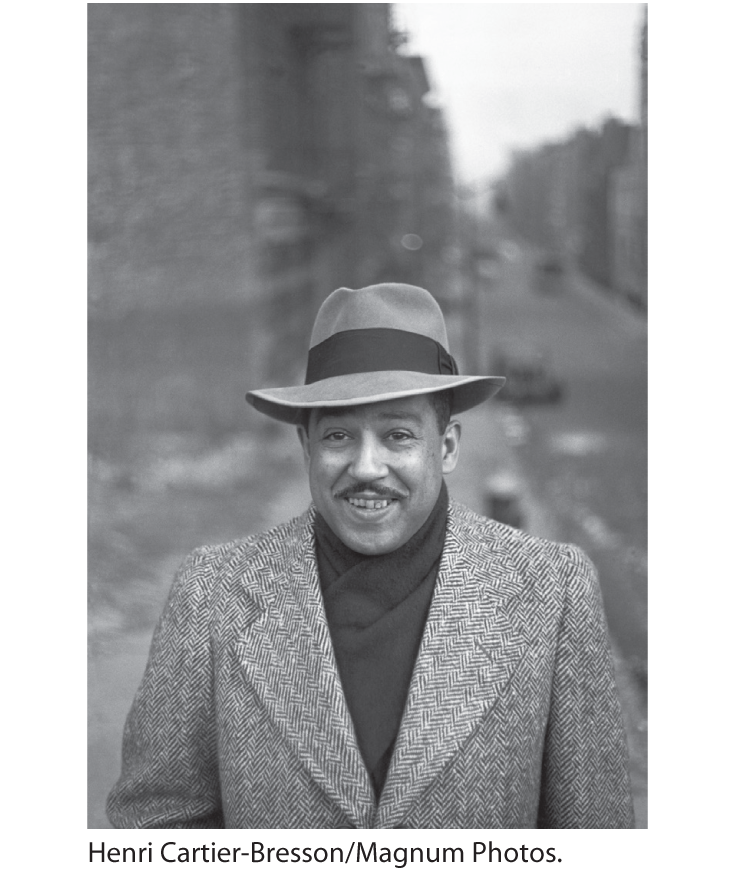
[(286, 651), (471, 646)]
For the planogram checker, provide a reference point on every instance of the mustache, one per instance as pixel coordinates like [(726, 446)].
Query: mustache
[(358, 490)]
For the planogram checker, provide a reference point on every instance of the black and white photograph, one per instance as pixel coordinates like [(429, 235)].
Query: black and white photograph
[(368, 422)]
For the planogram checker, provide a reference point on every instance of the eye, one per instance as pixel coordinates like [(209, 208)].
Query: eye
[(335, 436), (399, 435)]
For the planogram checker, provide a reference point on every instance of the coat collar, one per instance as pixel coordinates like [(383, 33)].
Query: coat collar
[(470, 648)]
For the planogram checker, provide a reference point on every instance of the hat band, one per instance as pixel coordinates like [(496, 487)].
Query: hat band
[(377, 349)]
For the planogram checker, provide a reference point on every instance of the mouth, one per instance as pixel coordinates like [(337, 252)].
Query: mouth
[(369, 504), (373, 503)]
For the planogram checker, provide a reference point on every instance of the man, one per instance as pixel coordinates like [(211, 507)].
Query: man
[(389, 659)]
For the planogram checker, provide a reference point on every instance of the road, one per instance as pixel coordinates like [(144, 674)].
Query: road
[(587, 454), (584, 458)]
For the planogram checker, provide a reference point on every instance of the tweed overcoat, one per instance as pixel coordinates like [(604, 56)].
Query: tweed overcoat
[(512, 718)]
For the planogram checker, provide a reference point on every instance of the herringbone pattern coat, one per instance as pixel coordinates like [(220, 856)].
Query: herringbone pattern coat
[(512, 718)]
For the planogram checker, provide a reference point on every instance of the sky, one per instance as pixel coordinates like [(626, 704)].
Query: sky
[(511, 75)]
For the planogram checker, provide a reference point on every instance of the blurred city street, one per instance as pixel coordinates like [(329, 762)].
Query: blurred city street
[(575, 469)]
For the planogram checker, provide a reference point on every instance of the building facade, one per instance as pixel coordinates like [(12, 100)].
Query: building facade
[(585, 197), (244, 161), (629, 200)]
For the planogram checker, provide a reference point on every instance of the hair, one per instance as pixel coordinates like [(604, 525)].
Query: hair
[(441, 402)]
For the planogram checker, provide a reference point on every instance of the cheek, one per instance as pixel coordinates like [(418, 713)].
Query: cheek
[(422, 468), (324, 467)]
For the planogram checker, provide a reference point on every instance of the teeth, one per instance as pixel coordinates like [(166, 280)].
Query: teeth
[(370, 504)]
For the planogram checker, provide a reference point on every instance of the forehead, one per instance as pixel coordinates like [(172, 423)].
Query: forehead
[(411, 409)]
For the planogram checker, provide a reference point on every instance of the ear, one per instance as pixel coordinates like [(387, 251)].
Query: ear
[(450, 446), (304, 439)]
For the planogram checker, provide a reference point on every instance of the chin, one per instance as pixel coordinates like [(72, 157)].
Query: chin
[(371, 546)]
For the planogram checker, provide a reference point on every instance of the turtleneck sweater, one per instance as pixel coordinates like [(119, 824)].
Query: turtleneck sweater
[(376, 609)]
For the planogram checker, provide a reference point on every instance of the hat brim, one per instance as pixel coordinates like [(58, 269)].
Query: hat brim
[(287, 403)]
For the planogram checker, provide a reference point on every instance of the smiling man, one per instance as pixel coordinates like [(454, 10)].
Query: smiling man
[(389, 659)]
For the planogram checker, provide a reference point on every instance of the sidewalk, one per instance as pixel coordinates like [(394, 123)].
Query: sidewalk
[(487, 462)]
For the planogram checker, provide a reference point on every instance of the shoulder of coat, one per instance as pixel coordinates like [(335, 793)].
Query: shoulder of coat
[(515, 550), (267, 551)]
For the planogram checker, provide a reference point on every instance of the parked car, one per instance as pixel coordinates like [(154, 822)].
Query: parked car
[(529, 376)]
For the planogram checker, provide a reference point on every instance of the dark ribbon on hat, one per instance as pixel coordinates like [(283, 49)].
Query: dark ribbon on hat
[(377, 349)]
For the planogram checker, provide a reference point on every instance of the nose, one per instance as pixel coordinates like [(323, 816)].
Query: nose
[(367, 462)]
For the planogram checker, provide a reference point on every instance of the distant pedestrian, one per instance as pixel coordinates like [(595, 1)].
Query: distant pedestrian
[(389, 659)]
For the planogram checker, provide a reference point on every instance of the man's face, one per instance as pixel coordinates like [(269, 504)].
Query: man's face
[(375, 470)]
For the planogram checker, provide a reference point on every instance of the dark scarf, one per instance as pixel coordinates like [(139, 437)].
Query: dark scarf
[(376, 608)]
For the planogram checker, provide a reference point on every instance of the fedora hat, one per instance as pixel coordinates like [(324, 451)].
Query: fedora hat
[(376, 343)]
